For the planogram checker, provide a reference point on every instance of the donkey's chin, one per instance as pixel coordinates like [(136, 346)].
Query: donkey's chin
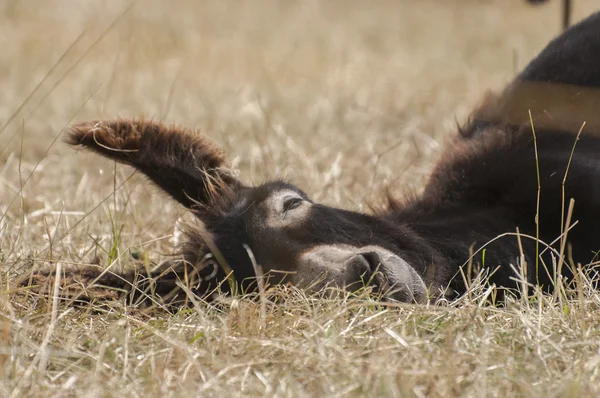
[(353, 268)]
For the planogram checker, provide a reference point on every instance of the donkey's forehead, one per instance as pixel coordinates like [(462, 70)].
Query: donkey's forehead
[(281, 194), (272, 191), (266, 194)]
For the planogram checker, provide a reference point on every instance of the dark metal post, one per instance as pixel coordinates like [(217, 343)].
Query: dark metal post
[(566, 14)]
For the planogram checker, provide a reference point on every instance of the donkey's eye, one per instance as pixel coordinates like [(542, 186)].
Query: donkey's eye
[(291, 203)]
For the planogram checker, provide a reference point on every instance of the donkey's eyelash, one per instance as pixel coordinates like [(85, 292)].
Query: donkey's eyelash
[(291, 203)]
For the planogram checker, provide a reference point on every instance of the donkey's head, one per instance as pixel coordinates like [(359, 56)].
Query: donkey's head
[(274, 227)]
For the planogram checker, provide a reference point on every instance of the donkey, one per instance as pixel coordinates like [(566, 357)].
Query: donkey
[(495, 201)]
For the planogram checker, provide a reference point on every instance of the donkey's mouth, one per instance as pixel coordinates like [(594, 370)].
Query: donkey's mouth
[(352, 268)]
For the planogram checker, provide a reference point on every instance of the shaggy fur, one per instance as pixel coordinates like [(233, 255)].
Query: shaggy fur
[(185, 165)]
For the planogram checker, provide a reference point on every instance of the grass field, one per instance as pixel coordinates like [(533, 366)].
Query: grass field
[(344, 98)]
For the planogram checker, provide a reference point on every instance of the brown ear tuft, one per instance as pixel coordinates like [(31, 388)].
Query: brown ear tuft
[(181, 162)]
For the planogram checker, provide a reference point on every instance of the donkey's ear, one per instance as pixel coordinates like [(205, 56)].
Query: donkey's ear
[(182, 163)]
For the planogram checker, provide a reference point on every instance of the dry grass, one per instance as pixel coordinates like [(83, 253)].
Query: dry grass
[(341, 97)]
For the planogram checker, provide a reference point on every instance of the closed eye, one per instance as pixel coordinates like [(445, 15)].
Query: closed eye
[(291, 203)]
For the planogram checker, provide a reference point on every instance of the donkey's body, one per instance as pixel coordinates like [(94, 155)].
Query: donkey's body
[(484, 188)]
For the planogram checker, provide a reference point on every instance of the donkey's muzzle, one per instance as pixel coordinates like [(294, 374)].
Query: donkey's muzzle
[(395, 278), (352, 268)]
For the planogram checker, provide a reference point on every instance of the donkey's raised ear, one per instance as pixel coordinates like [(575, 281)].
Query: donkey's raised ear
[(181, 162)]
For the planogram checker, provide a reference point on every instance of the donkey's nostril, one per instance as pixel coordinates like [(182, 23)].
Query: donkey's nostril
[(373, 259)]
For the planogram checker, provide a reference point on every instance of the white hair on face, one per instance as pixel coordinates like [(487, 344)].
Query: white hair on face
[(275, 217)]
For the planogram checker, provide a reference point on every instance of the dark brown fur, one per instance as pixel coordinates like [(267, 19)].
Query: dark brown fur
[(184, 164)]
